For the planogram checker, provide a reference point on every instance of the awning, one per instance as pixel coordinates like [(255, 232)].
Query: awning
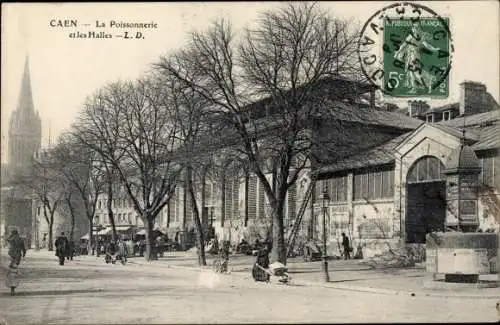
[(105, 231), (142, 232), (123, 228), (86, 237)]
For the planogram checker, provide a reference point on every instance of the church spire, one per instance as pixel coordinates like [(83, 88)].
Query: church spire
[(25, 131), (25, 102)]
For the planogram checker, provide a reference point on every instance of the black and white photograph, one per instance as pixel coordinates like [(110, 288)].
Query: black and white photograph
[(250, 162)]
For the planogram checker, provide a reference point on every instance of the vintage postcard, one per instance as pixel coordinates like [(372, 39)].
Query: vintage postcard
[(250, 162)]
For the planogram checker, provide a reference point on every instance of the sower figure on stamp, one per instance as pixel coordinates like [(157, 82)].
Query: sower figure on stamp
[(62, 247), (410, 54)]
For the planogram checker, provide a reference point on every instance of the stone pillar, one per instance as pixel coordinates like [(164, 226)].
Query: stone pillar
[(462, 181), (460, 257)]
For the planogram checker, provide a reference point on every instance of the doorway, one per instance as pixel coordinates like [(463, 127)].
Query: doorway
[(426, 199)]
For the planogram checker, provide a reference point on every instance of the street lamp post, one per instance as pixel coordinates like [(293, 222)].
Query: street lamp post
[(211, 217), (325, 198), (211, 222)]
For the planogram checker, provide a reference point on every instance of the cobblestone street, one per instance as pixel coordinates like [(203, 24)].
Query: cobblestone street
[(87, 290)]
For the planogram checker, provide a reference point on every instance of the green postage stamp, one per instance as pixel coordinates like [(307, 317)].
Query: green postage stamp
[(405, 49), (416, 57)]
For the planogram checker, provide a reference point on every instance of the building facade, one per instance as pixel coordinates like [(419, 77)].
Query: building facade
[(395, 193), (385, 189)]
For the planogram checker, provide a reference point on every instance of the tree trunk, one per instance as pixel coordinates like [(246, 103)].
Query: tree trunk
[(91, 237), (72, 221), (49, 224), (278, 251), (199, 226), (110, 210), (51, 236), (149, 223)]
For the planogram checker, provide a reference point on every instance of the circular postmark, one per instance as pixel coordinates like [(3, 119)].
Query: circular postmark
[(405, 49)]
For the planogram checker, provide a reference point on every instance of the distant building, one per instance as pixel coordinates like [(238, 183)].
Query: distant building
[(24, 140)]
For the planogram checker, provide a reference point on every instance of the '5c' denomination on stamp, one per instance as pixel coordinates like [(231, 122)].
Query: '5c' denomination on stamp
[(406, 50)]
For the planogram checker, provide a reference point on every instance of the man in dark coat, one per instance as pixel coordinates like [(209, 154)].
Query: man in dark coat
[(346, 246), (262, 262), (16, 248), (62, 247)]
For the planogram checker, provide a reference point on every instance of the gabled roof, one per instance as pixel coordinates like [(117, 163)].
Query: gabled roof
[(489, 138), (379, 155), (485, 125), (470, 134), (369, 115), (482, 132), (476, 119)]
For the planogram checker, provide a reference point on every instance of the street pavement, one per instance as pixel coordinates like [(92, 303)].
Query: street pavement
[(348, 275), (173, 290)]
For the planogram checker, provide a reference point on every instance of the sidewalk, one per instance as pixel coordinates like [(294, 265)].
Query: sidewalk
[(344, 275)]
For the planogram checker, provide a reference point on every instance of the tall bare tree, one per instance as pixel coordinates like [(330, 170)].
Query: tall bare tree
[(190, 113), (286, 59), (127, 125), (47, 187), (79, 166)]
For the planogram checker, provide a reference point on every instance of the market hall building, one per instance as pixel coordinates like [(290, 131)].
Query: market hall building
[(397, 192), (388, 188)]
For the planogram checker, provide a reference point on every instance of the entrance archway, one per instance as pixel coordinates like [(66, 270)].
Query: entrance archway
[(426, 199)]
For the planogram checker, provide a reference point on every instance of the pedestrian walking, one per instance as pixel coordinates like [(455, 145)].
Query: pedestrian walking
[(346, 246), (44, 241), (62, 247), (122, 250), (17, 249), (71, 250)]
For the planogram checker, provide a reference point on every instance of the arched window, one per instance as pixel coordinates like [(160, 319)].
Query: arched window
[(426, 169)]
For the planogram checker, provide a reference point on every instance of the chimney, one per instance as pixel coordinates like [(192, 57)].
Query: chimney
[(417, 108), (472, 98)]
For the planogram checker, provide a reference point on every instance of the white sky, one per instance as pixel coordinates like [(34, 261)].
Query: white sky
[(64, 71)]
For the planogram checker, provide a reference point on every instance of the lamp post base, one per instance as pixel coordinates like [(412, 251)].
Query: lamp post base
[(325, 268)]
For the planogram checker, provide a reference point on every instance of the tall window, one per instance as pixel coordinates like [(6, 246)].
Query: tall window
[(252, 197), (374, 185), (228, 208), (426, 169), (261, 200), (337, 189), (292, 197), (490, 172)]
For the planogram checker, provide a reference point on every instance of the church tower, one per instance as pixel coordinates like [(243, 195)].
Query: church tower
[(25, 130)]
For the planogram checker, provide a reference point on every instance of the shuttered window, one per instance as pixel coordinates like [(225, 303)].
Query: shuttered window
[(490, 172), (292, 199), (261, 200), (374, 185), (252, 197), (236, 198), (229, 199)]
